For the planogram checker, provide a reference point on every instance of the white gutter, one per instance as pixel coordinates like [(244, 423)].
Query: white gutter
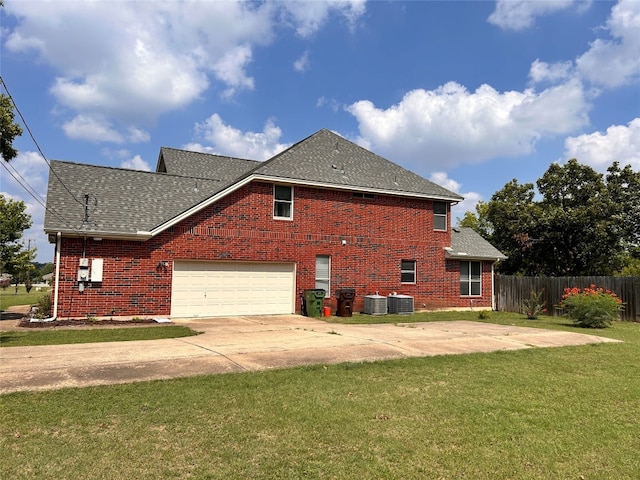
[(493, 288), (55, 294)]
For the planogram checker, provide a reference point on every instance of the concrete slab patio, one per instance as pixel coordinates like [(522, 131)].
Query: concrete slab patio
[(259, 343)]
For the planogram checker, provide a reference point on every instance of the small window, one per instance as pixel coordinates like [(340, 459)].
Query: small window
[(282, 201), (368, 196), (323, 273), (470, 279), (439, 215), (408, 271)]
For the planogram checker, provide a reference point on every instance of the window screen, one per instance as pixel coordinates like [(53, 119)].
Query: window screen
[(323, 273)]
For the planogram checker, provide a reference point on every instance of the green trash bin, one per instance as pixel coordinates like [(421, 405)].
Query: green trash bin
[(313, 299)]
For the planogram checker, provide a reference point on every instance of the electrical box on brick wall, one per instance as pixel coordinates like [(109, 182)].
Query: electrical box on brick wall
[(96, 269), (83, 270)]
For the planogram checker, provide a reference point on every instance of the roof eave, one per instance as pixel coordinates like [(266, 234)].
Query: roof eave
[(355, 188), (139, 236), (465, 256)]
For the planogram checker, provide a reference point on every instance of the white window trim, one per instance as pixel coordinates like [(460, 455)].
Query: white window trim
[(414, 271), (469, 279), (290, 217), (328, 278)]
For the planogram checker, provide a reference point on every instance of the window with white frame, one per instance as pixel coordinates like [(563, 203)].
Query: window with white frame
[(283, 201), (323, 273), (470, 279), (408, 271), (439, 215)]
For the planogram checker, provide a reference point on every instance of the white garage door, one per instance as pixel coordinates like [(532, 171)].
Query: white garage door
[(208, 289)]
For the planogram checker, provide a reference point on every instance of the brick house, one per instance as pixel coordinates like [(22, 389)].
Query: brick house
[(208, 235)]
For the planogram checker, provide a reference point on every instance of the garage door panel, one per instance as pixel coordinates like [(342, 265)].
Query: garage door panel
[(232, 288)]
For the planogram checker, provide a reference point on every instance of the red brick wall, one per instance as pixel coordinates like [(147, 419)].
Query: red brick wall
[(379, 233)]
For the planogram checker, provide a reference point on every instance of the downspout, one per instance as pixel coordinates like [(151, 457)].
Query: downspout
[(55, 294), (54, 314), (493, 287)]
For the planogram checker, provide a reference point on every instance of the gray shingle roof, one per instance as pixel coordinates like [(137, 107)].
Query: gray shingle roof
[(467, 243), (130, 201), (127, 201), (204, 165), (328, 158)]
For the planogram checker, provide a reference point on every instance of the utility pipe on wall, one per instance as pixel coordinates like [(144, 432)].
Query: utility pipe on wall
[(54, 314)]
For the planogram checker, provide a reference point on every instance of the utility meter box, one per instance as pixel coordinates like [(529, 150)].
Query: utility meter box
[(83, 274), (83, 270)]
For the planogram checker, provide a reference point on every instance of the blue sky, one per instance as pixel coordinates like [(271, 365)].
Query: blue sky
[(467, 94)]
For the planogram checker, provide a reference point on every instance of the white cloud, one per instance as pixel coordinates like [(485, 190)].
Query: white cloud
[(93, 129), (619, 143), (309, 17), (302, 63), (231, 69), (442, 179), (543, 71), (450, 125), (226, 140), (136, 163), (615, 61), (142, 59), (520, 14), (330, 103), (96, 129), (137, 135)]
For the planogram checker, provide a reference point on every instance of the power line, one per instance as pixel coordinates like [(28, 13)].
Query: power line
[(31, 191), (26, 186), (26, 126)]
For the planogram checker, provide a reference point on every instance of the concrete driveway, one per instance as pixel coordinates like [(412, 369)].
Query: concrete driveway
[(259, 343)]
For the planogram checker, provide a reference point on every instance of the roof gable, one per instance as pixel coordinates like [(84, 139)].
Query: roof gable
[(203, 165), (326, 158)]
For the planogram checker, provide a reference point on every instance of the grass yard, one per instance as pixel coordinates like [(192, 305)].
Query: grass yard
[(92, 335), (566, 413), (9, 297)]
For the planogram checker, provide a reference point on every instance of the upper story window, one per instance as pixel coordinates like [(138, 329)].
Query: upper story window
[(408, 271), (439, 215), (470, 279), (282, 201)]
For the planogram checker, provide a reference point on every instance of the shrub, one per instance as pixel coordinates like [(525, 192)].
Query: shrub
[(5, 282), (43, 309), (484, 314), (533, 306), (593, 307)]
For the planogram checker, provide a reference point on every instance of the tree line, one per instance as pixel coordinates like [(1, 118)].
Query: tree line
[(576, 222)]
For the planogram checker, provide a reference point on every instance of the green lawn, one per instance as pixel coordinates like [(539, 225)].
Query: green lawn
[(9, 297), (62, 337), (565, 413)]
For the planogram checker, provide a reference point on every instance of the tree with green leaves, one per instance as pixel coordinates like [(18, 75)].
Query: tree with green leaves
[(583, 224), (15, 259), (9, 130)]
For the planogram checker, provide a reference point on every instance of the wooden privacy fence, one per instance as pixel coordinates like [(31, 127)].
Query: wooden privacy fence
[(510, 291)]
